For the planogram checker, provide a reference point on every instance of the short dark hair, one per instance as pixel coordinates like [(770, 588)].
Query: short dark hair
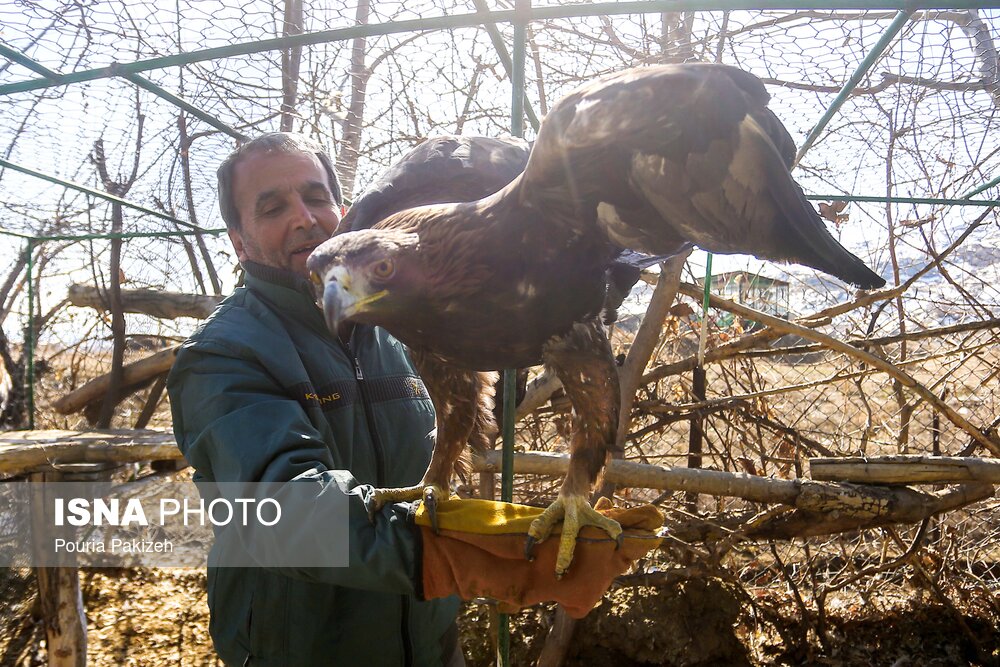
[(272, 142)]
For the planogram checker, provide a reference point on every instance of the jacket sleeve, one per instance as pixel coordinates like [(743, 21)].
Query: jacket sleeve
[(233, 423)]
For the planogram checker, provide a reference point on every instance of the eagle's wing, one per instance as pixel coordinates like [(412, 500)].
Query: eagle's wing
[(659, 156), (440, 170)]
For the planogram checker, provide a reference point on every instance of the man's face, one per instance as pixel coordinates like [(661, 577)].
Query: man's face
[(286, 209)]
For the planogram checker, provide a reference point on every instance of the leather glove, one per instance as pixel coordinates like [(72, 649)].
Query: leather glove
[(479, 552)]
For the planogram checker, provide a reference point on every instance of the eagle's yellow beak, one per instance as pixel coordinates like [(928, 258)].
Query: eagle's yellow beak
[(344, 297)]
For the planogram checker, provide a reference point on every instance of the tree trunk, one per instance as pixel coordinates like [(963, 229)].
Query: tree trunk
[(350, 140), (290, 60)]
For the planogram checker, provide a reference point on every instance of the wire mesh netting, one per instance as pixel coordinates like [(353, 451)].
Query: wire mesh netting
[(919, 125)]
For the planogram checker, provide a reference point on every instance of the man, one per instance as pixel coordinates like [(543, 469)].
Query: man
[(263, 393)]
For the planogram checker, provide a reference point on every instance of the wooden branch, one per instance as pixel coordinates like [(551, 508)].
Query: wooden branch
[(642, 348), (646, 338), (825, 522), (24, 451), (59, 595), (857, 503), (905, 469), (741, 344), (629, 473), (764, 336), (902, 377), (802, 523), (155, 303), (922, 334), (538, 391), (819, 507), (132, 374)]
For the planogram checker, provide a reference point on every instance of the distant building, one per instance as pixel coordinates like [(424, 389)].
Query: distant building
[(768, 295)]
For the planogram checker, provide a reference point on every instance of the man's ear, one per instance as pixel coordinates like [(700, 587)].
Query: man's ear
[(237, 240)]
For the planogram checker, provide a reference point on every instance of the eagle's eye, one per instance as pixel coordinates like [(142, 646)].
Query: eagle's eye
[(313, 276), (383, 269)]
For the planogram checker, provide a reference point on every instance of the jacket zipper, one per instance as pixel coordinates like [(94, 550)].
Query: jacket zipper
[(369, 418), (380, 481)]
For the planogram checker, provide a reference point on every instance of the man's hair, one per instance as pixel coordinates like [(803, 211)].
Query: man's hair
[(272, 142)]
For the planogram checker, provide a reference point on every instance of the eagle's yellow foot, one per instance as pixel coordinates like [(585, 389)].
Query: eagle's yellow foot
[(575, 513), (431, 494)]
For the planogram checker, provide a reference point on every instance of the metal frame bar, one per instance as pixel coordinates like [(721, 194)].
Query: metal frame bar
[(522, 10), (29, 277), (882, 199), (506, 61), (97, 193), (475, 19), (866, 64), (487, 19), (138, 80), (520, 17)]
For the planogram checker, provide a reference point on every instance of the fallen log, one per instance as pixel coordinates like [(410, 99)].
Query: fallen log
[(135, 373), (25, 451), (905, 469), (155, 303), (846, 505), (640, 475), (813, 507), (804, 523)]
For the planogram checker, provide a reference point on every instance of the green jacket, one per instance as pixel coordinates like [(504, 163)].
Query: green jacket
[(263, 392)]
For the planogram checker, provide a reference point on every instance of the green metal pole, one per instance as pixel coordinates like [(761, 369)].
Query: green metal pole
[(472, 20), (982, 188), (881, 199), (186, 106), (140, 81), (521, 8), (505, 60), (510, 375), (97, 193), (883, 43), (29, 270)]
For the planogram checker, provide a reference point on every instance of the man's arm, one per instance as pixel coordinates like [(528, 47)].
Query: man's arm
[(234, 424)]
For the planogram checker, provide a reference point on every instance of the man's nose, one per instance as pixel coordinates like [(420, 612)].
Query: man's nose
[(303, 215)]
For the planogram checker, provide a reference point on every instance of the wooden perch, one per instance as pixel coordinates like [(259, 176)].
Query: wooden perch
[(24, 451), (858, 505), (905, 469), (155, 303), (133, 374), (814, 507)]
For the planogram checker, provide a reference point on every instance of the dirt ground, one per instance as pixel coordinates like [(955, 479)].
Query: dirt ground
[(160, 617)]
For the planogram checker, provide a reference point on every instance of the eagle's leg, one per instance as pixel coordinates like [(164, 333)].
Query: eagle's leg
[(584, 363), (463, 403)]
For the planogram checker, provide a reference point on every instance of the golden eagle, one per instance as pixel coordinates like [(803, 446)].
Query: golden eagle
[(652, 159)]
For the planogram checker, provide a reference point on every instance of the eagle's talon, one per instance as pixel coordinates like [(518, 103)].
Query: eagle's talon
[(431, 504), (529, 548)]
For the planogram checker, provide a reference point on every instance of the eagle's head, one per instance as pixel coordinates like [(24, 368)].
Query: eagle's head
[(364, 276)]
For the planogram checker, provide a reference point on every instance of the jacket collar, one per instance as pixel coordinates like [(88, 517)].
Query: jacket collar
[(285, 292), (277, 277)]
